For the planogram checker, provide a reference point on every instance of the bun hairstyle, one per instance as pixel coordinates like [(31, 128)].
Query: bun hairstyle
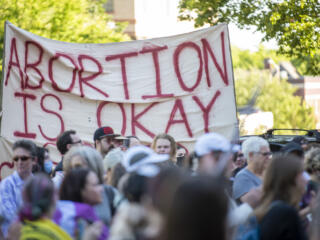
[(38, 197)]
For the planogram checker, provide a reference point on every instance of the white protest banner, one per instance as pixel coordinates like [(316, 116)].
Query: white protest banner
[(182, 85)]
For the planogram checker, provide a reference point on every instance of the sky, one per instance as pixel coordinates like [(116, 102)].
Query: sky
[(248, 39)]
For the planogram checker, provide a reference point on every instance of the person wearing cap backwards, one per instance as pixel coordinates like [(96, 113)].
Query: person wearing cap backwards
[(257, 152), (214, 153), (103, 140)]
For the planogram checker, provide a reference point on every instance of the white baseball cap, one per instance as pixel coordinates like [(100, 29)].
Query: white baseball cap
[(142, 159), (211, 142)]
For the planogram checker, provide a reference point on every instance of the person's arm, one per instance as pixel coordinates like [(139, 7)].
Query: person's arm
[(8, 205), (252, 197)]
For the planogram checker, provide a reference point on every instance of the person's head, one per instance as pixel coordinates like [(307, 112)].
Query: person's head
[(38, 165), (81, 185), (84, 156), (239, 160), (283, 180), (38, 198), (164, 144), (257, 152), (135, 187), (294, 149), (302, 141), (119, 142), (104, 139), (24, 154), (209, 149), (312, 163), (133, 141), (116, 174), (67, 140), (48, 163), (139, 156), (163, 187), (113, 157), (199, 211)]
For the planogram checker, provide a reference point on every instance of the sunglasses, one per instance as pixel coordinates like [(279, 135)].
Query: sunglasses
[(22, 158)]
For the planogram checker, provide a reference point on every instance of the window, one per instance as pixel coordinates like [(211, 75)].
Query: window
[(109, 6)]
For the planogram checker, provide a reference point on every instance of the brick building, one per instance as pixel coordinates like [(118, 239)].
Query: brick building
[(308, 87)]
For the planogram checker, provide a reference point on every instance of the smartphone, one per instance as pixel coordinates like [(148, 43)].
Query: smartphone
[(126, 142)]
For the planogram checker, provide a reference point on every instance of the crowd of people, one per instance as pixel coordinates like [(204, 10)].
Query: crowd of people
[(121, 189)]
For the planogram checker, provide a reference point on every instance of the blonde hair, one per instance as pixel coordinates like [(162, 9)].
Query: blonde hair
[(312, 160), (173, 145)]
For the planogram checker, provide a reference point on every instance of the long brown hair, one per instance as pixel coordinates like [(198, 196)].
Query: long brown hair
[(279, 183), (198, 211)]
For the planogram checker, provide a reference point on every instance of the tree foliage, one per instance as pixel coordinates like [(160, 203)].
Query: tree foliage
[(276, 96), (81, 21), (246, 59), (294, 24)]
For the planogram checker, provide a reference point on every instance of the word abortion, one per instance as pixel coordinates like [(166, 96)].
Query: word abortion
[(203, 51)]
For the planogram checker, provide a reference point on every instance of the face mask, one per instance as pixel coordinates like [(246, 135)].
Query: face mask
[(48, 166)]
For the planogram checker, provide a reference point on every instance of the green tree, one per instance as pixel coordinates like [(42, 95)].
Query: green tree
[(276, 96), (294, 24), (245, 59), (81, 21)]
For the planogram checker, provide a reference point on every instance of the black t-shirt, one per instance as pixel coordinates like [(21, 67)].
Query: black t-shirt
[(282, 222), (59, 167)]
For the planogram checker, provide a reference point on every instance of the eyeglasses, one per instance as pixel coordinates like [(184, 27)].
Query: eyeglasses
[(240, 155), (22, 158), (265, 154)]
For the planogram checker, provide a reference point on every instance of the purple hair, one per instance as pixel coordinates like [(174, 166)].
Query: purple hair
[(38, 197)]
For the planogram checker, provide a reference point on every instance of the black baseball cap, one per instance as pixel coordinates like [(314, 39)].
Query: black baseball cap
[(104, 132), (293, 148)]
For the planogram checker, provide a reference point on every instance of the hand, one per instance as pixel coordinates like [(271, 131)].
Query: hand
[(312, 205), (93, 231)]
